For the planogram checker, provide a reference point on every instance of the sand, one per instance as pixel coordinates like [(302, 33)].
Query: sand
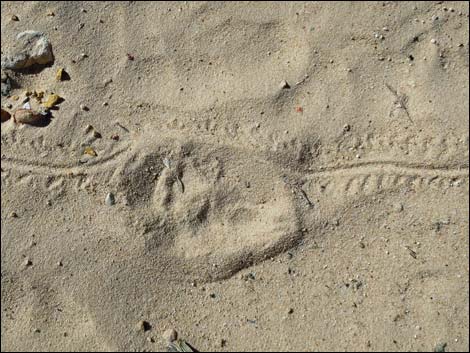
[(328, 212)]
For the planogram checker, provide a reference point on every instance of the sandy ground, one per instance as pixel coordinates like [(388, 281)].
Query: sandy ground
[(328, 215)]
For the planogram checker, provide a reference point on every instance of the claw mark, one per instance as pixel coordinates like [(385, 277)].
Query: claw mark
[(401, 102), (304, 195), (180, 184)]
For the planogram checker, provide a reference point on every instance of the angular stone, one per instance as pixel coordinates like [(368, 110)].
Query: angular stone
[(30, 48), (110, 200)]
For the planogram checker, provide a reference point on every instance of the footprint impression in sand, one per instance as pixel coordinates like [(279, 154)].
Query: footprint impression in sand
[(216, 210)]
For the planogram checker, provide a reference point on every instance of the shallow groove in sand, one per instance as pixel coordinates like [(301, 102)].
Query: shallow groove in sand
[(394, 167), (50, 169)]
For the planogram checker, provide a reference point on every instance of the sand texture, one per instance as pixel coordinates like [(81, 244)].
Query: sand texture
[(256, 176)]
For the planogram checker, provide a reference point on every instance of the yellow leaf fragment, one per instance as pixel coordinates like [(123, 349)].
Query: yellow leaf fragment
[(51, 101), (59, 74), (90, 151)]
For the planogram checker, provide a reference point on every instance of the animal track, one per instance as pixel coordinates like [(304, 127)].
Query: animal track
[(368, 178), (232, 212), (217, 208)]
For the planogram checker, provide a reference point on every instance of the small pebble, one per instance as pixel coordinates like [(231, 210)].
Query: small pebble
[(110, 200), (433, 41), (27, 262), (96, 134), (84, 107), (143, 326), (440, 347), (5, 115), (284, 85), (170, 335), (115, 137), (13, 215), (14, 18)]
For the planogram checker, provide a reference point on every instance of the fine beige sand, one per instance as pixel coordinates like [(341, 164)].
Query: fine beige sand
[(286, 176)]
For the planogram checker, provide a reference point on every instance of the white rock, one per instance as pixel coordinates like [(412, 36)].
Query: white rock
[(110, 200), (284, 85), (30, 48)]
